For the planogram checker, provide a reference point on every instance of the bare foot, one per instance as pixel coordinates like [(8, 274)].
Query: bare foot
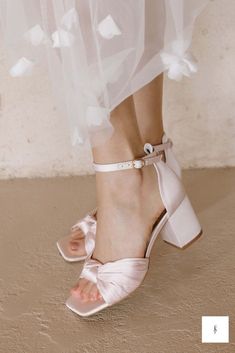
[(129, 203), (77, 242)]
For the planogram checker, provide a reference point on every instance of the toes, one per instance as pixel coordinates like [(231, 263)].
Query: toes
[(77, 289), (85, 293), (86, 290), (91, 292), (74, 244), (94, 293), (77, 234), (78, 244)]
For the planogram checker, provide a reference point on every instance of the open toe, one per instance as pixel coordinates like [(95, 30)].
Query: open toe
[(77, 305), (85, 226), (64, 247)]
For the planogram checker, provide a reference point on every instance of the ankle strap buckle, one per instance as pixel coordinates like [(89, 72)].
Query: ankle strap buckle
[(138, 163)]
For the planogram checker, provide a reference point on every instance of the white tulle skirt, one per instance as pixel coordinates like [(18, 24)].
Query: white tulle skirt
[(98, 52)]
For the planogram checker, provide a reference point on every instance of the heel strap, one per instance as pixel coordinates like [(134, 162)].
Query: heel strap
[(148, 148), (153, 156)]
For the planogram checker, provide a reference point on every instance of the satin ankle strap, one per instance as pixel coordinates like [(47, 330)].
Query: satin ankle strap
[(153, 156), (132, 164)]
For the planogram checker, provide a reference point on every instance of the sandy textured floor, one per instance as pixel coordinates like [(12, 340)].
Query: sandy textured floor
[(164, 315)]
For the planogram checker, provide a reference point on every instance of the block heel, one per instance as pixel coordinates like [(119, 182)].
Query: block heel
[(182, 227)]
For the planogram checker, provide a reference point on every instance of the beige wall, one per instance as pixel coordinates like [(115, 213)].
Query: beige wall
[(199, 113)]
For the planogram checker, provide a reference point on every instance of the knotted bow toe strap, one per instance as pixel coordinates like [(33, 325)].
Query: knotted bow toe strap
[(116, 280), (85, 224), (90, 240), (88, 227)]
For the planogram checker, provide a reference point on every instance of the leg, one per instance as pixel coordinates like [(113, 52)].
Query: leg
[(125, 217), (124, 144), (148, 106)]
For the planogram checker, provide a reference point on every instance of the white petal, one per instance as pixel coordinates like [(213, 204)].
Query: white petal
[(178, 61), (108, 28), (70, 18), (168, 59), (36, 35), (175, 72), (22, 67), (62, 38), (96, 115), (76, 138)]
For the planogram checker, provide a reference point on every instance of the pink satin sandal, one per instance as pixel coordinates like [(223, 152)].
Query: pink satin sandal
[(88, 228), (178, 226), (87, 223)]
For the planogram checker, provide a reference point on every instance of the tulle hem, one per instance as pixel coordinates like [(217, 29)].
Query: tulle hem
[(98, 53)]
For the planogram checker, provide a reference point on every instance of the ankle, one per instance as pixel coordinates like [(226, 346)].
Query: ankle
[(121, 152), (119, 184), (127, 187)]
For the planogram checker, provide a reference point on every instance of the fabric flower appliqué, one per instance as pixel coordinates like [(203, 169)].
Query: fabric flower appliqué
[(179, 62), (23, 67), (108, 28), (36, 36), (62, 38)]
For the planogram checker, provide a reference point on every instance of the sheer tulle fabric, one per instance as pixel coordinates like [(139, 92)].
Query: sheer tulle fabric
[(98, 52)]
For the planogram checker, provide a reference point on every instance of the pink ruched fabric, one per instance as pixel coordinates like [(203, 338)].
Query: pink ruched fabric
[(88, 227), (90, 240), (85, 224), (115, 280)]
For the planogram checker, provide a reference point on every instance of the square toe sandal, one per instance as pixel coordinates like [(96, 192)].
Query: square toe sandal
[(87, 224), (88, 227), (178, 225)]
